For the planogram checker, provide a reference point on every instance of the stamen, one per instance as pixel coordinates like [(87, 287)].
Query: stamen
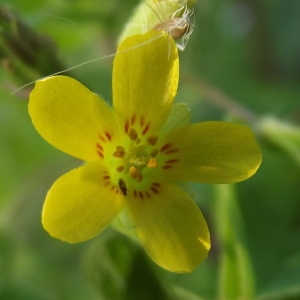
[(152, 140), (120, 168), (135, 174), (133, 135), (152, 163), (120, 152)]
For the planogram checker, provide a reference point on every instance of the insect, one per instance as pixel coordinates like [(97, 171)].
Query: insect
[(179, 25), (122, 186)]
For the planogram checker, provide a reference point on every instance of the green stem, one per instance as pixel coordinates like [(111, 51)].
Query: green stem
[(236, 278)]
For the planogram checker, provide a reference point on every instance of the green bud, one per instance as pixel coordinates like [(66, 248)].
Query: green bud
[(284, 135)]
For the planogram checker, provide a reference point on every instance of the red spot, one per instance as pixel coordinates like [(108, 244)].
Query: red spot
[(154, 189), (132, 120), (171, 161), (126, 127), (108, 135), (172, 151), (142, 121), (135, 193), (165, 147), (147, 127), (106, 177), (141, 195), (156, 184)]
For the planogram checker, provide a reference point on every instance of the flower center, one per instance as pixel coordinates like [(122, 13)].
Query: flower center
[(135, 159)]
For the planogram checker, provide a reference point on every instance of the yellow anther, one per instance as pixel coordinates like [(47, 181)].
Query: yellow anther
[(152, 163), (133, 171)]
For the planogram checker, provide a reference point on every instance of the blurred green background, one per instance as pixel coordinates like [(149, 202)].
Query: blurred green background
[(242, 64)]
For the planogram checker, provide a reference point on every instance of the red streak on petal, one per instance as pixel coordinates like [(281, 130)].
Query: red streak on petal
[(106, 177), (126, 127), (142, 121), (165, 147), (154, 190), (148, 194), (147, 127), (141, 195), (171, 161), (156, 184), (167, 167), (135, 193), (108, 135), (102, 138), (100, 154), (99, 146), (132, 120), (172, 151)]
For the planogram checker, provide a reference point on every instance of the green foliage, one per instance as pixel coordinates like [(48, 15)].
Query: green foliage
[(242, 62)]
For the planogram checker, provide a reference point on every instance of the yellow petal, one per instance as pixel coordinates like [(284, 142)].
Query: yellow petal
[(80, 204), (70, 117), (212, 152), (171, 229), (145, 78)]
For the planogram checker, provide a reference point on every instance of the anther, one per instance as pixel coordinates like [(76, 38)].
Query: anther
[(152, 140), (133, 135), (135, 174), (152, 163), (120, 168), (120, 152)]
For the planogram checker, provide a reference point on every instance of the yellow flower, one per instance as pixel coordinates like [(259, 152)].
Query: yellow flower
[(136, 152)]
